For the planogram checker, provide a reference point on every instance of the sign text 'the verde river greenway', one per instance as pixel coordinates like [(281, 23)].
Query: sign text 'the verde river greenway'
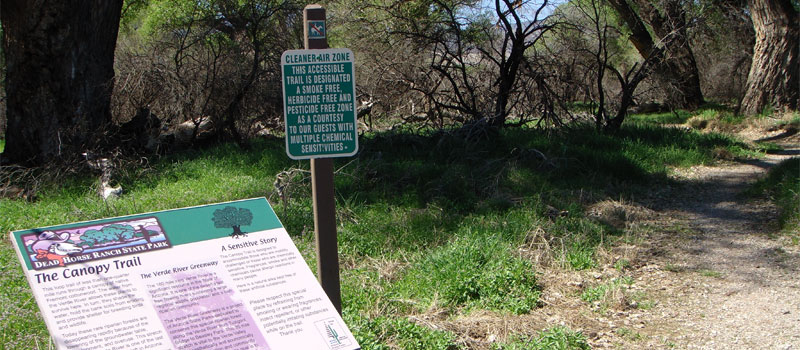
[(319, 103)]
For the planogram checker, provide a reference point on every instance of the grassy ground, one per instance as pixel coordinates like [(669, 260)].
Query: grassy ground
[(428, 221), (782, 184)]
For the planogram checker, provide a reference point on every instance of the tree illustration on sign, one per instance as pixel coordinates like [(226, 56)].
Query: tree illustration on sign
[(144, 233), (112, 233), (92, 237), (120, 232), (234, 218)]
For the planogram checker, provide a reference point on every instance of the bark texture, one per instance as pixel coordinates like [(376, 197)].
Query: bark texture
[(59, 57), (774, 79)]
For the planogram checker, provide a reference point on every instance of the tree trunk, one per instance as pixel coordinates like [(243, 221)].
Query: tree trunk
[(680, 67), (59, 59), (677, 67), (508, 76), (237, 231), (145, 234), (774, 79)]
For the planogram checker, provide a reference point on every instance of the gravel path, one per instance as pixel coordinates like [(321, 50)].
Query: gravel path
[(721, 280), (703, 269)]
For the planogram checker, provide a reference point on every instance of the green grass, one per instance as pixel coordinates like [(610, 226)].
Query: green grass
[(642, 301), (601, 291), (676, 117), (720, 116), (474, 271), (782, 184), (793, 121), (710, 273), (629, 334), (2, 145), (376, 333), (20, 322), (556, 338), (427, 221), (671, 267)]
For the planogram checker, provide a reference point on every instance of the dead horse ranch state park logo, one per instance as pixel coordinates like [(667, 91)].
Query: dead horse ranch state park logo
[(58, 248)]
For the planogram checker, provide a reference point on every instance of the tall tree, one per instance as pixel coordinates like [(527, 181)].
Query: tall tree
[(476, 53), (218, 59), (59, 60), (519, 33), (591, 22), (677, 66), (774, 79)]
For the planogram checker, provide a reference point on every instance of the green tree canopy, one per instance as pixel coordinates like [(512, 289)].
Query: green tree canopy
[(120, 232), (232, 217)]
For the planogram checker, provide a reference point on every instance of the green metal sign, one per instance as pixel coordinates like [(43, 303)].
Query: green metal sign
[(319, 103)]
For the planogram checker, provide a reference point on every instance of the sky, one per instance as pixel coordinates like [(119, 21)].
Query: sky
[(530, 6)]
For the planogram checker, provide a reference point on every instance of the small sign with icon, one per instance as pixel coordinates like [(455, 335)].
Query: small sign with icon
[(316, 29)]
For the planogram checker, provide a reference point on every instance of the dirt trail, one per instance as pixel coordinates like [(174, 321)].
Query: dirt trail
[(703, 269), (718, 277)]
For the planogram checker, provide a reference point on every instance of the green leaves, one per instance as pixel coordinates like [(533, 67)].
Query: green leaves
[(232, 216)]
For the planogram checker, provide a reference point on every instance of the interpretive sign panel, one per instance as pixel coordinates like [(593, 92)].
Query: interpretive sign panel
[(222, 276), (319, 103)]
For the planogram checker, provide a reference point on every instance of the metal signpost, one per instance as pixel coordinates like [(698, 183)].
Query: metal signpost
[(320, 115)]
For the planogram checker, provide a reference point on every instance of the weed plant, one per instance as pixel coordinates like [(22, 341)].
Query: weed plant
[(429, 221)]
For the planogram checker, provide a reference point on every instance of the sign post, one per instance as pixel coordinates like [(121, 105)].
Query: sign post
[(320, 115)]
